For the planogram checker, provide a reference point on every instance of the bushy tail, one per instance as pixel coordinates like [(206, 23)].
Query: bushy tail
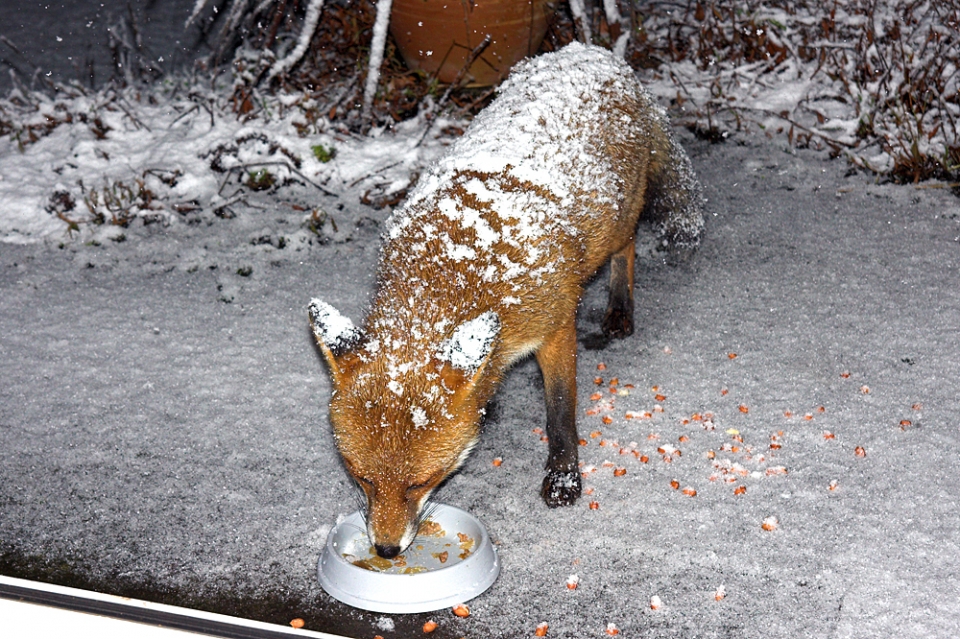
[(674, 202)]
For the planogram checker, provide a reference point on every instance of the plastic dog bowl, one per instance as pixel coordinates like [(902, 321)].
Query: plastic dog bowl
[(450, 564)]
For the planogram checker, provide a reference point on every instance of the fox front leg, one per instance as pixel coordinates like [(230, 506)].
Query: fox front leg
[(558, 363)]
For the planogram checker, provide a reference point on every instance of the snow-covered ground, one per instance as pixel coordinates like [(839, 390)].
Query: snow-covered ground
[(163, 424), (164, 427)]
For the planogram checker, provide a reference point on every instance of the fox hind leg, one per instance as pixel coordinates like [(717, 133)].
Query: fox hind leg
[(558, 363), (618, 321)]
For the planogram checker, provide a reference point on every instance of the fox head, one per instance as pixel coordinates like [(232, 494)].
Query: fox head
[(403, 421)]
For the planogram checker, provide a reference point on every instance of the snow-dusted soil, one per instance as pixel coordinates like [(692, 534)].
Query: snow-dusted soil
[(163, 426)]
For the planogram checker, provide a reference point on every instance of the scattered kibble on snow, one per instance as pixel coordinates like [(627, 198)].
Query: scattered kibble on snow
[(297, 623), (612, 629), (573, 581), (461, 610), (655, 603), (770, 524), (720, 593), (860, 451), (541, 630), (430, 626)]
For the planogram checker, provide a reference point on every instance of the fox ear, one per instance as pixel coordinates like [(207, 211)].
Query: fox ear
[(465, 354), (334, 333)]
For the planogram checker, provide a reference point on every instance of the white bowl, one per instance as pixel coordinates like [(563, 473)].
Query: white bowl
[(470, 565)]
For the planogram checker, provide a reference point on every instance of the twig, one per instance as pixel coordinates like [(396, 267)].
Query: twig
[(474, 54)]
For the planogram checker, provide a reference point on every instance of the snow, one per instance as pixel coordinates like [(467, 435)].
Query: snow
[(164, 430), (471, 342)]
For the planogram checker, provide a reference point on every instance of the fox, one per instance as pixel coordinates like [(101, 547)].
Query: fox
[(485, 263)]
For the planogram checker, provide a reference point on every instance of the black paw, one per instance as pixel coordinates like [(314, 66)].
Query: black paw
[(561, 488), (618, 323)]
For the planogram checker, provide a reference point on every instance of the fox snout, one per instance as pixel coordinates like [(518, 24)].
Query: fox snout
[(392, 522)]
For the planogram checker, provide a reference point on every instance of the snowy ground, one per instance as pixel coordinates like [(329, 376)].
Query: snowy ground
[(163, 428)]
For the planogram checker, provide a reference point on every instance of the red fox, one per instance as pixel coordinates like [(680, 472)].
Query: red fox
[(485, 263)]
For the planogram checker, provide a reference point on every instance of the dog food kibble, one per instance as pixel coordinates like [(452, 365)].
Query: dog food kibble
[(612, 629), (770, 523), (497, 461), (297, 623), (674, 484), (859, 451), (655, 603), (430, 626), (594, 505), (461, 610), (720, 593), (541, 630), (572, 582)]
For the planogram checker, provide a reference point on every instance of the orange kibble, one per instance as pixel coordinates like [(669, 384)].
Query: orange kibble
[(731, 356), (644, 459), (828, 435), (723, 392), (845, 374), (461, 610), (917, 406), (711, 454), (544, 438), (720, 593), (595, 434), (430, 626), (859, 451), (737, 437), (615, 381), (674, 484), (775, 446), (655, 603), (541, 630), (865, 390), (588, 491), (770, 523), (607, 419), (596, 396), (821, 409), (297, 623), (601, 366), (582, 442), (739, 490), (743, 408), (905, 422), (593, 411), (620, 471), (594, 505), (598, 381), (538, 431), (808, 416), (776, 470), (684, 438), (659, 397), (497, 461), (787, 414), (572, 582), (612, 629), (834, 484), (689, 492)]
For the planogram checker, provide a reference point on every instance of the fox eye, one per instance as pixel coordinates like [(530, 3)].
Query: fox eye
[(433, 480)]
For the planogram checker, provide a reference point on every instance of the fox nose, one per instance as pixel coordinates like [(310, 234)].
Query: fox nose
[(387, 552)]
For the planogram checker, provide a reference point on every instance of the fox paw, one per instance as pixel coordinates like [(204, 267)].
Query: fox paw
[(560, 488), (617, 324)]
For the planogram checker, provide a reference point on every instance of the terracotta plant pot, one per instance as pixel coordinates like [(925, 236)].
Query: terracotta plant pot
[(437, 36)]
